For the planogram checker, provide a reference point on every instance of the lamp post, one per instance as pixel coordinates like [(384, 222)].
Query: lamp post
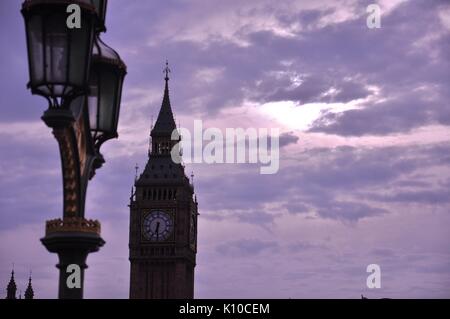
[(81, 78)]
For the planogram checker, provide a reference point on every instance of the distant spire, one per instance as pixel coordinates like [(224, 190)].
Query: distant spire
[(12, 288), (167, 71), (29, 293), (136, 172), (165, 123)]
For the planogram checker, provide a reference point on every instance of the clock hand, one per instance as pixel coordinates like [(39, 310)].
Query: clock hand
[(157, 229)]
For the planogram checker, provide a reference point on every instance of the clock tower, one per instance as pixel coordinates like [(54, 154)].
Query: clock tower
[(163, 218)]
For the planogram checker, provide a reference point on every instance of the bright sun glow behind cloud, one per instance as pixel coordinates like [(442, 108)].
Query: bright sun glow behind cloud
[(295, 116)]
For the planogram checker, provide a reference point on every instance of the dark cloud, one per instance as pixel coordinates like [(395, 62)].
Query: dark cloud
[(288, 138), (322, 176), (436, 196), (296, 207), (348, 211), (412, 183), (303, 246), (309, 90), (398, 115), (415, 84), (347, 57), (383, 252), (313, 88), (348, 168), (254, 217), (246, 248)]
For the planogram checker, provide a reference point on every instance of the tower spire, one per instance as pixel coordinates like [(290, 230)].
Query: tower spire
[(167, 71), (12, 288), (165, 123), (29, 293)]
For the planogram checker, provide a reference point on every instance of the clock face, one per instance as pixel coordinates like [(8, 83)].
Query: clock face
[(157, 226)]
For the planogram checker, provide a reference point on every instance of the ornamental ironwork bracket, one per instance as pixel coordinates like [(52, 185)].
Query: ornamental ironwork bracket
[(70, 127)]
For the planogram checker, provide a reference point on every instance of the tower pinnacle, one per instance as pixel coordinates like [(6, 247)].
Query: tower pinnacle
[(12, 288), (165, 123), (167, 71), (29, 293)]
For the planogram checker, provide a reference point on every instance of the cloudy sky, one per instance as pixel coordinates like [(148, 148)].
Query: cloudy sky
[(365, 160)]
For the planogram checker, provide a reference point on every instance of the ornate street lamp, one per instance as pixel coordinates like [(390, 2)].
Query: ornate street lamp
[(82, 79), (103, 100), (59, 57)]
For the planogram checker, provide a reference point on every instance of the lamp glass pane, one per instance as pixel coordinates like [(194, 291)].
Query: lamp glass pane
[(34, 30), (79, 54), (59, 57), (56, 51), (92, 100), (106, 103), (118, 100)]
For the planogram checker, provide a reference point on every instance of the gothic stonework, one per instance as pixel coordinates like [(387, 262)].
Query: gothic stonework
[(163, 220)]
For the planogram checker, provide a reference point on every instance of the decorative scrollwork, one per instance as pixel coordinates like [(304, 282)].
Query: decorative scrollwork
[(69, 170), (72, 224), (71, 130)]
